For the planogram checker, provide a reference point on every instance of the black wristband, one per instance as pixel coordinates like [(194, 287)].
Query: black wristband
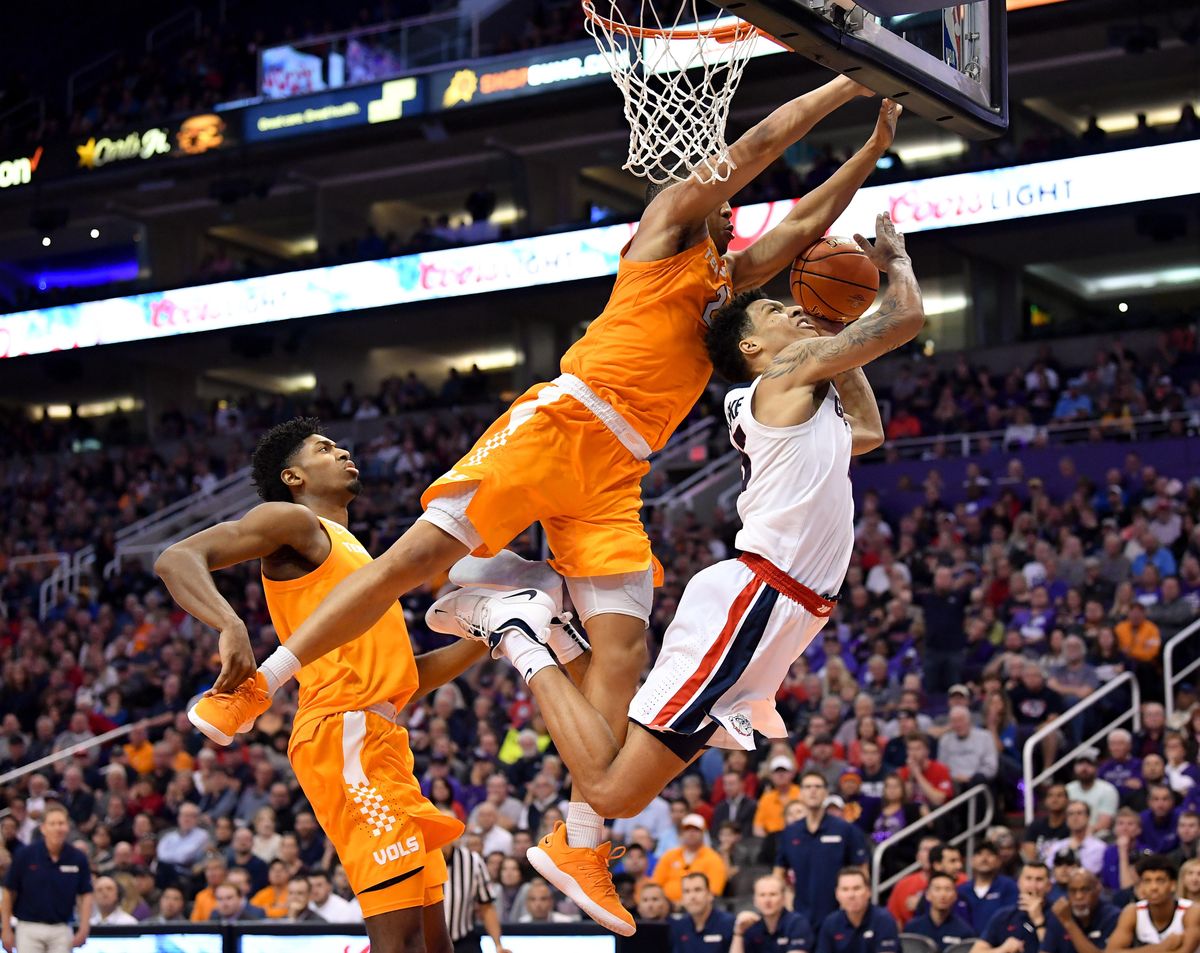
[(1039, 926)]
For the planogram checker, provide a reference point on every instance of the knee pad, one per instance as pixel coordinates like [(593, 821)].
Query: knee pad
[(626, 593)]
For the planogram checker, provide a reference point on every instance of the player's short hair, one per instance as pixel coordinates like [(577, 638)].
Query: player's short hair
[(1153, 862), (274, 454), (1036, 864), (729, 325), (939, 875), (55, 807)]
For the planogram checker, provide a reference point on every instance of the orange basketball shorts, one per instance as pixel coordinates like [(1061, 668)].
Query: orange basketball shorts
[(356, 769), (548, 459)]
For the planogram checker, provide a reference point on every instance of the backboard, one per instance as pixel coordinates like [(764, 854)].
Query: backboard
[(948, 64)]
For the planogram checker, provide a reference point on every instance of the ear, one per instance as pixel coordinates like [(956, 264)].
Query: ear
[(291, 477), (749, 347)]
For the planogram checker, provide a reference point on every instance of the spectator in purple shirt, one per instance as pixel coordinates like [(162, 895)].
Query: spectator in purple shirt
[(1158, 820), (1036, 621), (1122, 770), (1182, 774)]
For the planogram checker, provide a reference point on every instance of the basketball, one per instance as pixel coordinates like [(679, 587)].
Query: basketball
[(833, 279)]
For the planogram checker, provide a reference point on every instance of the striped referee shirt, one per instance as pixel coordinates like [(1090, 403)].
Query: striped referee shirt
[(468, 884)]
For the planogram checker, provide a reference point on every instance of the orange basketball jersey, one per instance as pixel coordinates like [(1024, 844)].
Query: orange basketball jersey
[(377, 667), (645, 353)]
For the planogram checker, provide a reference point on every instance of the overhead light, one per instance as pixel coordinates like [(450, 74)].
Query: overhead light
[(1122, 307), (45, 241), (930, 151), (95, 233)]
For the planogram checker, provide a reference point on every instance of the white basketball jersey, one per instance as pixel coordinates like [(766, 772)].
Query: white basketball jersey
[(796, 505), (1148, 934)]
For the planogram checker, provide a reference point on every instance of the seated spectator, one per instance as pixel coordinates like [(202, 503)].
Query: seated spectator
[(1088, 848), (273, 898), (241, 855), (735, 807), (928, 781), (1121, 770), (326, 903), (1181, 773), (205, 902), (652, 905), (539, 905), (939, 922), (106, 910), (770, 926), (1159, 820), (692, 856), (768, 816), (738, 858), (823, 761), (1097, 793), (988, 890), (171, 907), (232, 907), (1080, 922), (1187, 829), (906, 894), (1121, 857), (299, 900), (183, 847), (1020, 928), (691, 932), (857, 926), (969, 753)]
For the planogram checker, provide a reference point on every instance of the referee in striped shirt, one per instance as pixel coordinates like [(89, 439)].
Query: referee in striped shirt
[(469, 889)]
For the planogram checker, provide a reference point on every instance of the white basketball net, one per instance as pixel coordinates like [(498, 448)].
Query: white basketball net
[(677, 81)]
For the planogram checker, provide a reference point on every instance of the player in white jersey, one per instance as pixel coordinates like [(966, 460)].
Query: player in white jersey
[(742, 622), (1160, 921)]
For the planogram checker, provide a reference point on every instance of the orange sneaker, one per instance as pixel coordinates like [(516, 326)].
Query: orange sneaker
[(582, 874), (220, 717)]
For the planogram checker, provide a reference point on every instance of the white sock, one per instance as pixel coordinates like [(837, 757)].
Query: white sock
[(584, 826), (527, 657), (281, 666)]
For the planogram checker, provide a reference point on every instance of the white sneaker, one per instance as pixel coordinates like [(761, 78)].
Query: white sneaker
[(505, 571), (486, 615)]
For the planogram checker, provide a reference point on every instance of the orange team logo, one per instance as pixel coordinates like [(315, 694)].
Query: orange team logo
[(200, 133), (461, 89)]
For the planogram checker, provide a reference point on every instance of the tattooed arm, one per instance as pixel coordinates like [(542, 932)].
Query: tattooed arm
[(899, 319), (862, 411)]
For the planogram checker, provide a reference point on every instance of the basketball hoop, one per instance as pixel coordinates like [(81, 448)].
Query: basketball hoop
[(678, 76)]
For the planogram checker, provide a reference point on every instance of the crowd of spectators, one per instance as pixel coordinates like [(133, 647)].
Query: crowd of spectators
[(966, 623)]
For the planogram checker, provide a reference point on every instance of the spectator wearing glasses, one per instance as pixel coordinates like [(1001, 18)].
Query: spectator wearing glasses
[(813, 846)]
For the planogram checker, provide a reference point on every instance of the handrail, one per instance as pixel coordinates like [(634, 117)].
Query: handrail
[(1170, 676), (74, 77), (682, 442), (675, 493), (183, 503), (62, 559), (70, 751), (1134, 712), (192, 13), (968, 797)]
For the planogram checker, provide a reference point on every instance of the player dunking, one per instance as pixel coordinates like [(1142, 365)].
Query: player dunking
[(352, 760), (741, 623), (571, 453)]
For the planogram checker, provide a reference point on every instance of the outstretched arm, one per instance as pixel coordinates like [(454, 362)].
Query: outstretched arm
[(186, 568), (899, 319), (676, 217), (813, 215)]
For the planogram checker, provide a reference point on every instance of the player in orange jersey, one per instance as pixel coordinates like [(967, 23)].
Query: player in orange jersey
[(387, 835), (571, 453)]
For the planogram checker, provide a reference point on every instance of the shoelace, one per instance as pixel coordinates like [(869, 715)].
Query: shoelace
[(598, 876), (242, 700)]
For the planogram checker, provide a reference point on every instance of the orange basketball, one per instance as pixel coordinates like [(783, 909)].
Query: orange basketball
[(833, 279)]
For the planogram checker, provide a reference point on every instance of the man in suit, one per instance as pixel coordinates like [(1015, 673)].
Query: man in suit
[(736, 806)]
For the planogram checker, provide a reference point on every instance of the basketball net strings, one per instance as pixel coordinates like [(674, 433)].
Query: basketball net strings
[(676, 120)]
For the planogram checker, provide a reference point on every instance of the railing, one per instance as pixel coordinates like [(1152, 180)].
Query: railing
[(61, 559), (1171, 677), (680, 493), (1077, 431), (968, 799), (88, 745), (1134, 712), (186, 21), (74, 79)]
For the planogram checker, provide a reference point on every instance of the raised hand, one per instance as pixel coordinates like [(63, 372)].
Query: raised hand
[(888, 245)]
